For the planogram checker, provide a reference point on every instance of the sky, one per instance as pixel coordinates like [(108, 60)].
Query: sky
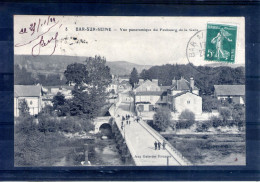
[(140, 43)]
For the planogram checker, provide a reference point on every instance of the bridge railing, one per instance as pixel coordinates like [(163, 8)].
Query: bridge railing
[(129, 145), (172, 150)]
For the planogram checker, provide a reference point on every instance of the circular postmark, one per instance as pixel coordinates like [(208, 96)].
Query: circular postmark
[(195, 53)]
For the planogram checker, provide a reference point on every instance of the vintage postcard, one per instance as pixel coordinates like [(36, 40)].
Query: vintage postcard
[(129, 91)]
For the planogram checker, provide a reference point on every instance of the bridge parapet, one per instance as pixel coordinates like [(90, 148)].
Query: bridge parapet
[(173, 151)]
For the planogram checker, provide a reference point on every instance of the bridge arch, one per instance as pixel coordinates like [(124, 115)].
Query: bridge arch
[(102, 122)]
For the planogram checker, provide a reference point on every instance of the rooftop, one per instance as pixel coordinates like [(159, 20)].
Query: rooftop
[(182, 84), (27, 90)]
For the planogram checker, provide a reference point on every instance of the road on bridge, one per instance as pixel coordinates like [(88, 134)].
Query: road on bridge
[(139, 140)]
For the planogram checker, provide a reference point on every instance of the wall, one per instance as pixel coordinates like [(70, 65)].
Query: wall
[(188, 101), (34, 104), (147, 98), (148, 86)]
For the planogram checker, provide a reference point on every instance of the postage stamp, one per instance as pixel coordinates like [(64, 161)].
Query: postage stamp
[(221, 43)]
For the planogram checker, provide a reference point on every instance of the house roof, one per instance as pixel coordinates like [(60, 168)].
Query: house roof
[(165, 88), (182, 93), (232, 90), (146, 83), (181, 84), (150, 93), (27, 90)]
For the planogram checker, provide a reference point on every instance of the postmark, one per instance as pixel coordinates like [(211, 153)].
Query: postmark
[(221, 43)]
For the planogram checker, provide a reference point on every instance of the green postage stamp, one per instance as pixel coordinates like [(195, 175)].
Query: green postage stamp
[(221, 43)]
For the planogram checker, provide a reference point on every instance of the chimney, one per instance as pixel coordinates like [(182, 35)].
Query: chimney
[(191, 84), (155, 81)]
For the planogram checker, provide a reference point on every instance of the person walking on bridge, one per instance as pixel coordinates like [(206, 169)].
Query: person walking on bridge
[(155, 145), (163, 144), (159, 145)]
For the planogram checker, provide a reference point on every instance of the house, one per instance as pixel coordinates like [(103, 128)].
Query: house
[(184, 95), (113, 87), (234, 92), (185, 101), (124, 85), (181, 95), (32, 94), (50, 91), (148, 95)]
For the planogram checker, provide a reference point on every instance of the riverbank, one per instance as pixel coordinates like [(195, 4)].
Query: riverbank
[(217, 149)]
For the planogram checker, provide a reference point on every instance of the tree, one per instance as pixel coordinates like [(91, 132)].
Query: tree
[(89, 93), (225, 114), (61, 104), (76, 73), (24, 109), (58, 100), (133, 77), (238, 115), (162, 118), (186, 119)]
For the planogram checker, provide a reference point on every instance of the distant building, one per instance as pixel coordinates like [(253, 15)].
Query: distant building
[(184, 95), (50, 91), (185, 101), (113, 87), (124, 85), (234, 92), (148, 95), (32, 94), (181, 95)]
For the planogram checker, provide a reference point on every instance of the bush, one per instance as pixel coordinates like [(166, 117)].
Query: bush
[(162, 118), (75, 124), (203, 126), (186, 120), (47, 123)]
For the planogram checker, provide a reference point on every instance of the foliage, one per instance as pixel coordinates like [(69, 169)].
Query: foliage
[(23, 77), (216, 121), (203, 126), (61, 105), (47, 123), (23, 108), (217, 75), (133, 77), (225, 114), (186, 119), (162, 118), (238, 115), (209, 103), (76, 73), (91, 80)]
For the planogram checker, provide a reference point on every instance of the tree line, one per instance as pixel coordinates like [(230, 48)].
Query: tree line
[(23, 77), (205, 77)]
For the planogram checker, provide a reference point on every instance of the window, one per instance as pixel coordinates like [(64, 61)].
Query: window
[(188, 102)]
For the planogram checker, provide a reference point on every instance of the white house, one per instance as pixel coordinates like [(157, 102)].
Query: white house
[(32, 94), (234, 92), (186, 100)]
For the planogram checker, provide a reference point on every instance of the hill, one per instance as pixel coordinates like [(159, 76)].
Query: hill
[(57, 64)]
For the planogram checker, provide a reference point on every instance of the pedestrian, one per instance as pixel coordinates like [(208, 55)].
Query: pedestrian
[(129, 122), (159, 145), (155, 145), (122, 123), (163, 144), (126, 121), (122, 127)]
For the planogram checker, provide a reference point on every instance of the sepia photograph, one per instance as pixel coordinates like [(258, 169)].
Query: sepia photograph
[(129, 91)]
